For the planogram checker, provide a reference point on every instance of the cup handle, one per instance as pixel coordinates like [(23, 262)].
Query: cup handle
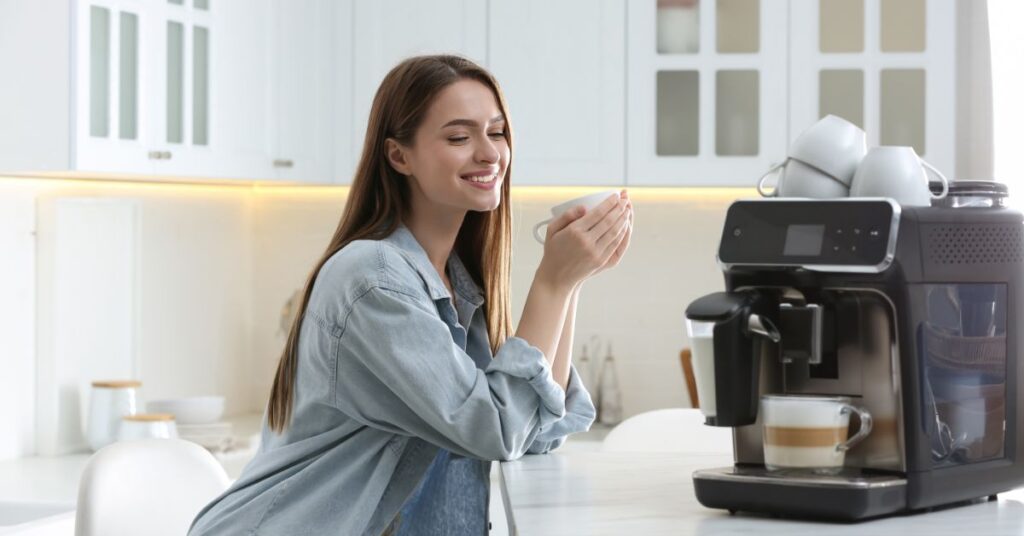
[(536, 230), (865, 427), (760, 182), (945, 183)]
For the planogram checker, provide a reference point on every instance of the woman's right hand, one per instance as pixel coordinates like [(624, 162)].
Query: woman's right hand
[(580, 242)]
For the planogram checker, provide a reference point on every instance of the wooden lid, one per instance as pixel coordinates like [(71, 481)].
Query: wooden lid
[(149, 417), (117, 384)]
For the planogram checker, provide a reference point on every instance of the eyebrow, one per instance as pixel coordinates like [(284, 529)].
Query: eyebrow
[(470, 122)]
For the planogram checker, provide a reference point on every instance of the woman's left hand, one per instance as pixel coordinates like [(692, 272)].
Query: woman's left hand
[(620, 250)]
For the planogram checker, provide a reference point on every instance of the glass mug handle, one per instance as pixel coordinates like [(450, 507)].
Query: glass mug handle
[(865, 427), (760, 182), (945, 183), (536, 230)]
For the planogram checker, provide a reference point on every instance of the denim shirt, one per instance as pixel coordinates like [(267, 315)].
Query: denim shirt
[(398, 407)]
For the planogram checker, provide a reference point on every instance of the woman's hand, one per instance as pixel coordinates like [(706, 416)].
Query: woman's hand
[(580, 242), (620, 250)]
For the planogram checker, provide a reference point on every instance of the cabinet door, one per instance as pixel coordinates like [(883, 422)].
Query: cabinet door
[(240, 111), (706, 90), (885, 65), (181, 108), (388, 31), (561, 66), (302, 89), (113, 49)]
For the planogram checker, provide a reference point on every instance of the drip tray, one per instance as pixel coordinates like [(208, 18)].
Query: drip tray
[(849, 496)]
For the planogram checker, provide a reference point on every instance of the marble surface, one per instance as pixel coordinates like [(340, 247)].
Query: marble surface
[(614, 493), (55, 479)]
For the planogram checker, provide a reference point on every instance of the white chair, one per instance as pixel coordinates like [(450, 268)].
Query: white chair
[(668, 430), (147, 486)]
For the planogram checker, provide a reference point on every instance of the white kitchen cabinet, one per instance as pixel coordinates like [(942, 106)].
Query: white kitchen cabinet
[(888, 66), (561, 66), (303, 88), (707, 90), (388, 31)]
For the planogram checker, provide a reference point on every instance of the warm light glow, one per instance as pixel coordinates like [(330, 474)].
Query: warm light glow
[(547, 194)]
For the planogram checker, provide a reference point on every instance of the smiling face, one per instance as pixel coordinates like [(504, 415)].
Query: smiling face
[(459, 154)]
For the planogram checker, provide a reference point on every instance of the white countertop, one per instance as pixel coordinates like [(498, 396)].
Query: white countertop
[(54, 479), (598, 493)]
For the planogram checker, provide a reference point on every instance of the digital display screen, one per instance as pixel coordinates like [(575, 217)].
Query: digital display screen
[(803, 240)]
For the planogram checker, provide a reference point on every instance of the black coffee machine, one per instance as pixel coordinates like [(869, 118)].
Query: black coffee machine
[(912, 313)]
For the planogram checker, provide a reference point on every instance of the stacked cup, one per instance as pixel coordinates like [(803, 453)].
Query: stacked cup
[(830, 159), (822, 161)]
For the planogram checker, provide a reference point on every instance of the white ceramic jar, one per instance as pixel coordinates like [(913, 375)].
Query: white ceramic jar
[(147, 426), (109, 401)]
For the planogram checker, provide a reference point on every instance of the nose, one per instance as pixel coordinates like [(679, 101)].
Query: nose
[(487, 151)]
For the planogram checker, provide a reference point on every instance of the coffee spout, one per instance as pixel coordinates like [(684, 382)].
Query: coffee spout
[(764, 327)]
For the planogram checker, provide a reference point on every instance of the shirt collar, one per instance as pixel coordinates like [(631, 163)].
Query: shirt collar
[(461, 281)]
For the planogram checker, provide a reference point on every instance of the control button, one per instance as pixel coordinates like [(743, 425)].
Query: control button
[(856, 231), (835, 248), (736, 231), (874, 233), (839, 230), (853, 248)]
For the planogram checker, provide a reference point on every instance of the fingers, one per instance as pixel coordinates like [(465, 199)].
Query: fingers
[(596, 214), (565, 219), (612, 228)]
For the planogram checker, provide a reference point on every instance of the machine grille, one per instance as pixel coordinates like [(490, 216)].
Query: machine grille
[(975, 244)]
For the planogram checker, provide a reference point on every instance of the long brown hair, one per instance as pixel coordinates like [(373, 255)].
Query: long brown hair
[(378, 202)]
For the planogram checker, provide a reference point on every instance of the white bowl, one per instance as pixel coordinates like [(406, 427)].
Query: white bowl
[(191, 409)]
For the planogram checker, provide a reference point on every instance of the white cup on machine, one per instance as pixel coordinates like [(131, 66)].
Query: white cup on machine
[(590, 201), (821, 163), (897, 173)]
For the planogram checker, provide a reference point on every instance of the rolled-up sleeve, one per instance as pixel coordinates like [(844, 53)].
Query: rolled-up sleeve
[(579, 415), (398, 368)]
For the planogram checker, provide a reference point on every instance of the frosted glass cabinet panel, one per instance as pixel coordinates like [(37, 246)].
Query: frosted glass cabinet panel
[(895, 79), (709, 112)]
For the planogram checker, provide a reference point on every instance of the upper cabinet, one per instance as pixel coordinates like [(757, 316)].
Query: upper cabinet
[(707, 90), (888, 66), (173, 88), (565, 87), (718, 88), (600, 92), (388, 31)]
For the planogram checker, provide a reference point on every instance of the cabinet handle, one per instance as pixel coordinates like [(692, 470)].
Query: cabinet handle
[(284, 163), (167, 155), (155, 155)]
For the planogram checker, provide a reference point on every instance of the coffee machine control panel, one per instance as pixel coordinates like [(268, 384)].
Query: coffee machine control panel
[(838, 235)]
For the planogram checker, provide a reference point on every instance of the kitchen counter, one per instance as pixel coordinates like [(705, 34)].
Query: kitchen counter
[(54, 479), (614, 493)]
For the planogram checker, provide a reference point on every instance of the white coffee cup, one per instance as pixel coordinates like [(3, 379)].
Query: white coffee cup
[(809, 433), (147, 426), (833, 145), (590, 201), (798, 179), (822, 161), (897, 173), (109, 401)]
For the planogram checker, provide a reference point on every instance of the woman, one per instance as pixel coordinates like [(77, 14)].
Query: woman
[(401, 380)]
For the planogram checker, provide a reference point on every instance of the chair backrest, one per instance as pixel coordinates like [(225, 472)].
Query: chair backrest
[(146, 486), (668, 430), (686, 358)]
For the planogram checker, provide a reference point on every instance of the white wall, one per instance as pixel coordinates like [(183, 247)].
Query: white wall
[(194, 294)]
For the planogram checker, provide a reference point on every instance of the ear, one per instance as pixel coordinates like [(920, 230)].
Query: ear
[(396, 156)]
